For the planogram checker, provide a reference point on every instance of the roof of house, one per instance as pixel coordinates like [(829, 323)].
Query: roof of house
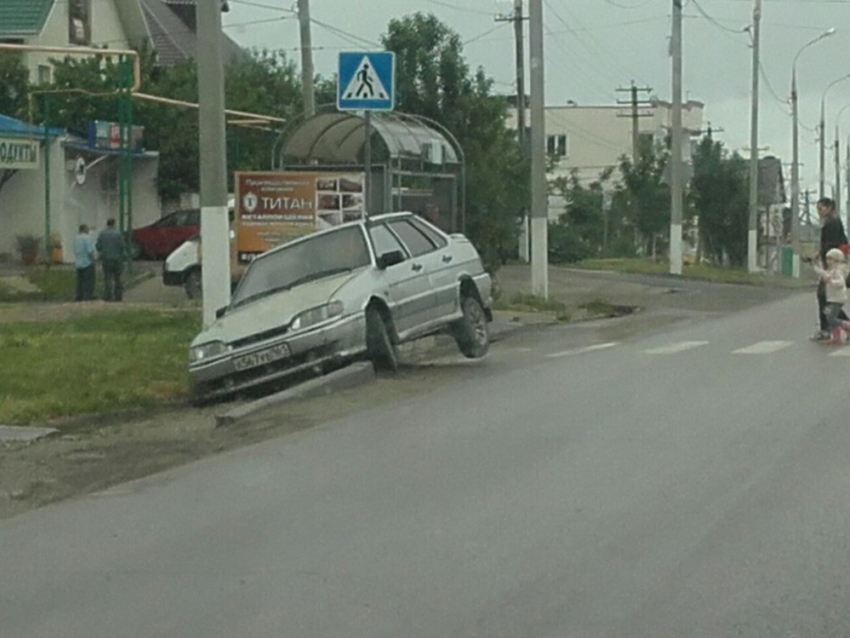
[(17, 128), (22, 17), (173, 41)]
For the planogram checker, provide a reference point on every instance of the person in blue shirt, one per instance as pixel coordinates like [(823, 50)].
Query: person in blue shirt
[(84, 262)]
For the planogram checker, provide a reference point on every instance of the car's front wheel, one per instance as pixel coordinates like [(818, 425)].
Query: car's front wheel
[(193, 285), (471, 332), (379, 345)]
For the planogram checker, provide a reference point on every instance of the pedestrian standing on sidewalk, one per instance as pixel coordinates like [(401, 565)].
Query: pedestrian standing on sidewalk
[(832, 236), (111, 246), (84, 263), (834, 279)]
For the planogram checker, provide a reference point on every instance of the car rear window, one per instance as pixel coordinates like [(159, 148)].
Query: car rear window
[(416, 241)]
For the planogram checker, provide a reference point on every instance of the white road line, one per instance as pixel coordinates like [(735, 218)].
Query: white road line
[(575, 351), (765, 347), (841, 352), (673, 348)]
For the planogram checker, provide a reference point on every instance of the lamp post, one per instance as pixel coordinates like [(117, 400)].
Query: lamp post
[(795, 166), (822, 135), (838, 160)]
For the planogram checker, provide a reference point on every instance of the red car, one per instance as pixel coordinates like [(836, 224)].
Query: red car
[(158, 240)]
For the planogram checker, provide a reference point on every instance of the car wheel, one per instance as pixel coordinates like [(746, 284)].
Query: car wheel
[(379, 346), (136, 251), (193, 285), (471, 332)]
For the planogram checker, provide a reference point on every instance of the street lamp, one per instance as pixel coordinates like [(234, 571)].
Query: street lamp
[(821, 183), (795, 167)]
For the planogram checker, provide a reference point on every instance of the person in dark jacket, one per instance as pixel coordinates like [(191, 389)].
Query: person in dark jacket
[(832, 235), (111, 246)]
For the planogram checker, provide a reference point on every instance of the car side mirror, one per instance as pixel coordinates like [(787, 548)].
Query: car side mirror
[(220, 312), (390, 259)]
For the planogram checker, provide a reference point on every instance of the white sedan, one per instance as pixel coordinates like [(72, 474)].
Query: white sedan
[(356, 290)]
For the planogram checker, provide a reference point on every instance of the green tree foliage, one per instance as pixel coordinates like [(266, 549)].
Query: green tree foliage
[(580, 232), (263, 82), (434, 80), (13, 85), (719, 195), (648, 199)]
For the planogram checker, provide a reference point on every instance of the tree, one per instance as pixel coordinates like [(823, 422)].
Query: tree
[(434, 80), (264, 82), (720, 196), (648, 197), (580, 232), (14, 86)]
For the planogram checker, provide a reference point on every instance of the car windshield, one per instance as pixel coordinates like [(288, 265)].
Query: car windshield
[(315, 258)]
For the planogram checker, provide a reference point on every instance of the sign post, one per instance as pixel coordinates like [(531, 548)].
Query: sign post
[(366, 82)]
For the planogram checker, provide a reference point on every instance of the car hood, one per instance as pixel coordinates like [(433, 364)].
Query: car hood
[(274, 311)]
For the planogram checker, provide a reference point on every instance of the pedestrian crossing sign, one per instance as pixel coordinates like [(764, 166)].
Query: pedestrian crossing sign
[(366, 81)]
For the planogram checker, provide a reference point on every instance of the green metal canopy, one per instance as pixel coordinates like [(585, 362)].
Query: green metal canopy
[(23, 17)]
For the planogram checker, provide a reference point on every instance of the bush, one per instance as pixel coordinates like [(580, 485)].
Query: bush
[(566, 245)]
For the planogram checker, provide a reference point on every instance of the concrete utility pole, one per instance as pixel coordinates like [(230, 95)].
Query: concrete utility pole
[(837, 173), (635, 114), (752, 234), (676, 164), (215, 229), (795, 166), (822, 137), (306, 58), (539, 196)]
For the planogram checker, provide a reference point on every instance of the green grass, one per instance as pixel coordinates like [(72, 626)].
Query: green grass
[(532, 303), (650, 267), (100, 363)]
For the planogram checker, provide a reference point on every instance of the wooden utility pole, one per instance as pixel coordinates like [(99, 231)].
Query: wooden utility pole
[(635, 114), (519, 37)]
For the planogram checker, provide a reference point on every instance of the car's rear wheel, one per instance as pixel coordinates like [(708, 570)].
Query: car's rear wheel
[(136, 251), (379, 345), (193, 284), (471, 332)]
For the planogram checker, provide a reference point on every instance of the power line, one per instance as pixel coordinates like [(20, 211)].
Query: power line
[(617, 67), (448, 5), (481, 35)]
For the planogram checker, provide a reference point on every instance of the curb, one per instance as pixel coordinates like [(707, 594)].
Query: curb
[(349, 377)]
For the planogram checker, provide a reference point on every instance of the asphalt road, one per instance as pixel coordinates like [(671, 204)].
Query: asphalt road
[(690, 483)]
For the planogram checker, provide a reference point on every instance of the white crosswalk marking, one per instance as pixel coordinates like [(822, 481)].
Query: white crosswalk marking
[(841, 352), (575, 351), (673, 348), (765, 347)]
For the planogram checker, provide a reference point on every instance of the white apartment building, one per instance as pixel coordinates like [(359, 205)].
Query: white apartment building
[(592, 139)]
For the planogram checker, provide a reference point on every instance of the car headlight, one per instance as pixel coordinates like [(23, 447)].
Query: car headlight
[(316, 315), (208, 350)]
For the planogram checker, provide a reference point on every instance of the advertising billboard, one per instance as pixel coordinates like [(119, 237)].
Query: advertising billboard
[(275, 207)]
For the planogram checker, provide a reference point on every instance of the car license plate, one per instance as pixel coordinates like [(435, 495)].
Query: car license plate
[(261, 358)]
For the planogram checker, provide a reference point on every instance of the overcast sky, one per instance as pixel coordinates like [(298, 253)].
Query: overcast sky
[(592, 47)]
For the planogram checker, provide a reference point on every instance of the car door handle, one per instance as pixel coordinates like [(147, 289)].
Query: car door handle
[(447, 258), (417, 267)]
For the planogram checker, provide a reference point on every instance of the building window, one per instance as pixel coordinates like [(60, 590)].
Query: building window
[(44, 74), (556, 145)]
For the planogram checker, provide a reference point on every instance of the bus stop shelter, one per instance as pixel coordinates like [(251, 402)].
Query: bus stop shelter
[(417, 164)]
